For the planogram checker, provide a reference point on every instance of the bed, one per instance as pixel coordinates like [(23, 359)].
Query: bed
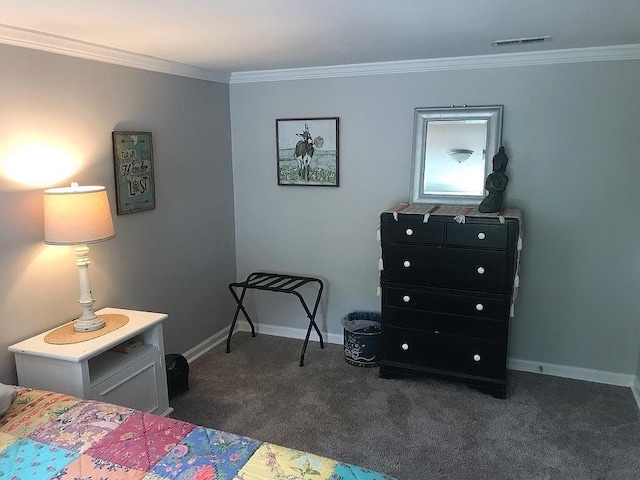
[(47, 435)]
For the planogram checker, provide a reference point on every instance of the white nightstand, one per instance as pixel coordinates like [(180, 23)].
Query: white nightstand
[(89, 370)]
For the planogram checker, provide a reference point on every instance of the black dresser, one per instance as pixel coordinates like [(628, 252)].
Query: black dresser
[(449, 278)]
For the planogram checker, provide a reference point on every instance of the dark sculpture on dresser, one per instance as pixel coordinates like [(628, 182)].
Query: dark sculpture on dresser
[(495, 184)]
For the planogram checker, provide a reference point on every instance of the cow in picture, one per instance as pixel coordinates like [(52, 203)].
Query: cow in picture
[(304, 153)]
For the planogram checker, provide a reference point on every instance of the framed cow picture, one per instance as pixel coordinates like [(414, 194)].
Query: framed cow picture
[(307, 151)]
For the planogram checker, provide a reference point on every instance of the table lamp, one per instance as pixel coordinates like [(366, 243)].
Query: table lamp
[(79, 215)]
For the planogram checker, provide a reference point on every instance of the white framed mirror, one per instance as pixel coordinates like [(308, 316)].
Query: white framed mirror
[(452, 152)]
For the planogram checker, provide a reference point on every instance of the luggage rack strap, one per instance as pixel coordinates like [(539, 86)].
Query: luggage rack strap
[(280, 283), (274, 282)]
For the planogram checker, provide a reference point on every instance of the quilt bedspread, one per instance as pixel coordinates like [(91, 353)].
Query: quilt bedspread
[(46, 435)]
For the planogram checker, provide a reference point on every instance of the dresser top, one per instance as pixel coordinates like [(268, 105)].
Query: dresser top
[(452, 211)]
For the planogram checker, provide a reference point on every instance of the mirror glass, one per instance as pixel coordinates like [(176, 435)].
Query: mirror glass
[(453, 148)]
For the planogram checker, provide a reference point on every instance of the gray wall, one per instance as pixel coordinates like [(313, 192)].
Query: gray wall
[(177, 258), (571, 132)]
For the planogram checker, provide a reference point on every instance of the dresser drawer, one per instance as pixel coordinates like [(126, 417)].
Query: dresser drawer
[(469, 304), (444, 323), (477, 235), (413, 232), (483, 270), (446, 353)]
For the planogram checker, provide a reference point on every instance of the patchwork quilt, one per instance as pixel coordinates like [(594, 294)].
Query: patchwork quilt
[(46, 435)]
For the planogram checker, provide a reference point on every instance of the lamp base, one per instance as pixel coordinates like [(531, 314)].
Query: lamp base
[(91, 325)]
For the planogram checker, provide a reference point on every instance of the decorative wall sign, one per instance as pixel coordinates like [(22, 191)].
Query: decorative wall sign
[(307, 150), (133, 159)]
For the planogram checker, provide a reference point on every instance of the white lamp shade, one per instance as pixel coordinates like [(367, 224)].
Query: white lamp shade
[(77, 215)]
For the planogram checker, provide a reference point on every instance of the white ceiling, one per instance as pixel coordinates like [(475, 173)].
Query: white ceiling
[(254, 35)]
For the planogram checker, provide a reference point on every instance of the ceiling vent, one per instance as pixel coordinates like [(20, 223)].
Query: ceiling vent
[(521, 41)]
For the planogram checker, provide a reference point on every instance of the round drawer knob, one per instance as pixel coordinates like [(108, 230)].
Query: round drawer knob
[(407, 263), (476, 357), (405, 346), (409, 232), (406, 298), (479, 307), (482, 236), (481, 270)]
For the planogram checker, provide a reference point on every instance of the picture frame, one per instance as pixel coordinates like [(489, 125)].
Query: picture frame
[(134, 171), (307, 151)]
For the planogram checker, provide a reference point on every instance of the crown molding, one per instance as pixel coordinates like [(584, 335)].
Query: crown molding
[(21, 37), (547, 57), (66, 46)]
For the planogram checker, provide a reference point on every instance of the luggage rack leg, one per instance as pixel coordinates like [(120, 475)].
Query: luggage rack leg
[(235, 316), (312, 321)]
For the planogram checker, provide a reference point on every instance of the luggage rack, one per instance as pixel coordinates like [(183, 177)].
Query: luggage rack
[(276, 282)]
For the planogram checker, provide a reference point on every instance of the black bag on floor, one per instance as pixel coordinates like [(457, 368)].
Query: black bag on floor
[(177, 374)]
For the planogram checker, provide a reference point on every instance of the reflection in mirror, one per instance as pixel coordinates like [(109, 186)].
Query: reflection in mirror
[(453, 148)]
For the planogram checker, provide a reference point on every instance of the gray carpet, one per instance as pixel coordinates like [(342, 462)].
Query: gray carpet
[(547, 428)]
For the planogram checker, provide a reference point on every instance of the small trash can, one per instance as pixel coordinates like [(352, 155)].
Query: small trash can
[(361, 336)]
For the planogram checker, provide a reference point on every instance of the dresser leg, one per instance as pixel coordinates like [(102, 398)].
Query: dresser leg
[(501, 394), (384, 373), (496, 392)]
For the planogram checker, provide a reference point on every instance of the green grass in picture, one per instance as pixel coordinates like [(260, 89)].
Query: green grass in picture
[(322, 172)]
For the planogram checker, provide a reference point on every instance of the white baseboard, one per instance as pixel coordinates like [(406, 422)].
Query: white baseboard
[(206, 345), (576, 373), (635, 388), (277, 331), (290, 332)]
